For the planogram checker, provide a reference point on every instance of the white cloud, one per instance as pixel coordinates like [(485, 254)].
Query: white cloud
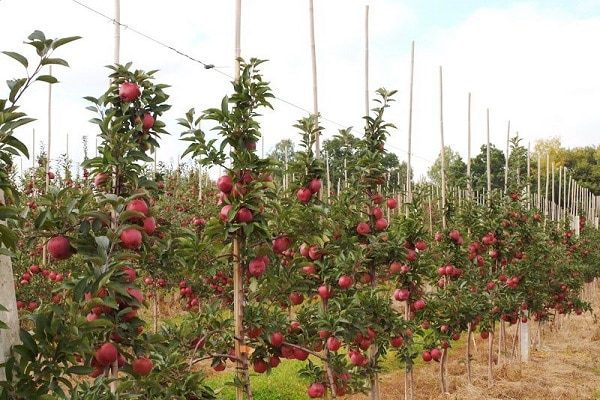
[(534, 67)]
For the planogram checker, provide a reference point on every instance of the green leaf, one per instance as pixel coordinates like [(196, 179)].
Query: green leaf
[(47, 78), (17, 57), (54, 61), (79, 370), (62, 41), (3, 325)]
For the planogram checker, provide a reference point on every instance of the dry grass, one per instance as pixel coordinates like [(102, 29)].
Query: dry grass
[(565, 365)]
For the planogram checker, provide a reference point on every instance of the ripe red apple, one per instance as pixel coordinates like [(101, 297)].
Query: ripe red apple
[(257, 266), (316, 391), (397, 341), (333, 343), (260, 366), (281, 243), (131, 238), (381, 223), (314, 185), (149, 225), (392, 203), (59, 248), (324, 292), (435, 353), (419, 304), (401, 294), (129, 274), (276, 339), (101, 179), (34, 269), (51, 175), (345, 281), (426, 356), (243, 215), (225, 184), (129, 91), (304, 195), (377, 212), (421, 245), (363, 228), (147, 121), (300, 354), (296, 298), (142, 366), (314, 252), (137, 205), (107, 354), (224, 212)]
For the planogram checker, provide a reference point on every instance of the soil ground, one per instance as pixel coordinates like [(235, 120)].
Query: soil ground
[(564, 364)]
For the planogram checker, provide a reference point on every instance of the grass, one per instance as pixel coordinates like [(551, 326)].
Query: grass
[(283, 383)]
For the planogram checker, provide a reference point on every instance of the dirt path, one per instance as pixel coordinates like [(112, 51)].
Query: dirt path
[(566, 365)]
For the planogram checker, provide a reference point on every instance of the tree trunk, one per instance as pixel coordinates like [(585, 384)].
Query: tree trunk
[(8, 337)]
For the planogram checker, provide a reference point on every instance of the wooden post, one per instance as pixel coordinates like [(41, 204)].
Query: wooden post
[(469, 180), (8, 337), (488, 156), (506, 164), (313, 54), (410, 109), (443, 154)]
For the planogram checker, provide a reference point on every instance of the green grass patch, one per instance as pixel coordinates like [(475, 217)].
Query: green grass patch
[(282, 383)]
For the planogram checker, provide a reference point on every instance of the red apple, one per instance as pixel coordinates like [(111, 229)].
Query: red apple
[(129, 274), (149, 225), (137, 205), (224, 212), (276, 339), (131, 238), (260, 366), (225, 184), (281, 243), (381, 223), (314, 185), (316, 391), (396, 341), (59, 248), (147, 122), (142, 366), (107, 354), (243, 215), (363, 228), (401, 294), (296, 298), (324, 292), (129, 91), (377, 212), (392, 203), (345, 281), (257, 266), (304, 195), (333, 343)]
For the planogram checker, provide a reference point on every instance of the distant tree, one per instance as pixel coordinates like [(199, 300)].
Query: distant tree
[(456, 169), (282, 152), (479, 169), (583, 164), (340, 152)]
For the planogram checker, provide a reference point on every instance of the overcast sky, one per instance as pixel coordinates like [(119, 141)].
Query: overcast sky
[(534, 63)]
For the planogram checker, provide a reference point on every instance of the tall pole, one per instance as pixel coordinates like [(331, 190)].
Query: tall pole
[(489, 162), (313, 54), (506, 164), (469, 181), (117, 23), (366, 60), (410, 109), (238, 273), (443, 154)]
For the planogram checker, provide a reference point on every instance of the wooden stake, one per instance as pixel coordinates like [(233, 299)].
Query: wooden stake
[(367, 60), (443, 154), (469, 180), (313, 54), (507, 155), (488, 160), (410, 109)]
